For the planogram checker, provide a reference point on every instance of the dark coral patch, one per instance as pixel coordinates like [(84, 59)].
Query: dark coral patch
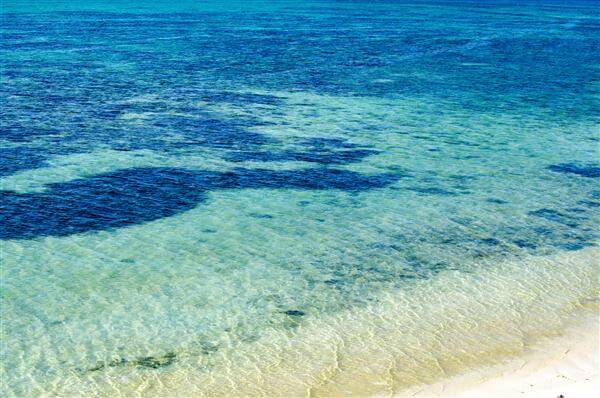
[(525, 244), (20, 158), (588, 170), (156, 362), (589, 203), (490, 241), (134, 196), (572, 246), (125, 197), (555, 216), (152, 362)]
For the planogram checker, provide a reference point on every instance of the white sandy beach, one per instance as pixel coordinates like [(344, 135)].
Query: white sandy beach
[(566, 365)]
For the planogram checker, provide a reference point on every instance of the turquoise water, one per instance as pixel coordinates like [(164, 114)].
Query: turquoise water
[(191, 190)]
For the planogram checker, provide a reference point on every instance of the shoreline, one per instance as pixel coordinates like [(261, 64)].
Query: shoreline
[(567, 365)]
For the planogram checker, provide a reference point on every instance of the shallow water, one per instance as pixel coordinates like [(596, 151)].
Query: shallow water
[(196, 196)]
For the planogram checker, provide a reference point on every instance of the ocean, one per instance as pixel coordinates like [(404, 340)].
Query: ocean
[(323, 198)]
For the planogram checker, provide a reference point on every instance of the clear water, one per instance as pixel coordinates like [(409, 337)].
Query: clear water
[(269, 198)]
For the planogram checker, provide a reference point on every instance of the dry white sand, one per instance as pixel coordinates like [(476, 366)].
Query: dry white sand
[(567, 365)]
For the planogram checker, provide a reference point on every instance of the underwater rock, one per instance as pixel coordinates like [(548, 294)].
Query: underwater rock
[(294, 313)]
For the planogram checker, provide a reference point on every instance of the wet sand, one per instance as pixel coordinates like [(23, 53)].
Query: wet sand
[(567, 365)]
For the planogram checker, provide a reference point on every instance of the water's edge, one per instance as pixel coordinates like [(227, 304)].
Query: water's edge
[(566, 364)]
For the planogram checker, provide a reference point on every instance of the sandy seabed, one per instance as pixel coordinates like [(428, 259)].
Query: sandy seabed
[(524, 327)]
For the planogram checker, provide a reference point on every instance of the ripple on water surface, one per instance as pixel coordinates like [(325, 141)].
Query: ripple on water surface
[(199, 200)]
